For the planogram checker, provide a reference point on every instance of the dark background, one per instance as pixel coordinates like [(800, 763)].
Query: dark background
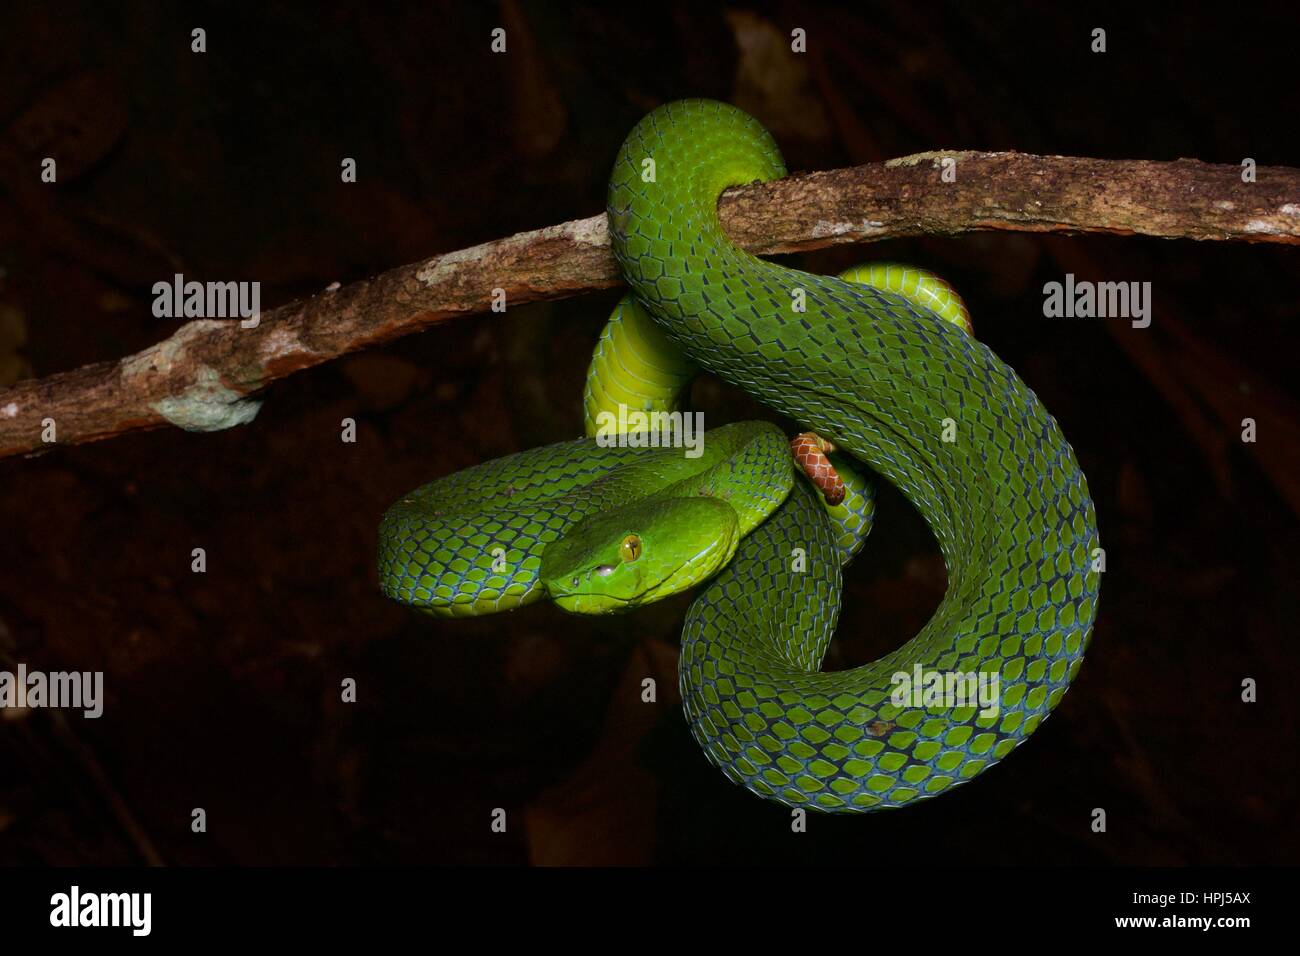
[(223, 689)]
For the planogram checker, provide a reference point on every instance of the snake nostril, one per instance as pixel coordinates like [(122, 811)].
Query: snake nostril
[(575, 582)]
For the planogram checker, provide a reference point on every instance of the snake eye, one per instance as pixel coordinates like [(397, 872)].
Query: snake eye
[(630, 549)]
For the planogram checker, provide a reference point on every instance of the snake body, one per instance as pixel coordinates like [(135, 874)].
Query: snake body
[(893, 385)]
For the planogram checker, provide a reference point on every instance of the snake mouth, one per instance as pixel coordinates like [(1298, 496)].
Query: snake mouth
[(578, 601), (576, 595), (581, 594), (638, 554)]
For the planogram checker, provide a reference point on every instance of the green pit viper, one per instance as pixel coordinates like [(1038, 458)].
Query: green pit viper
[(880, 367)]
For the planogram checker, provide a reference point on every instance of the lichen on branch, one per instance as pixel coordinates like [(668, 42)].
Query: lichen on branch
[(207, 374)]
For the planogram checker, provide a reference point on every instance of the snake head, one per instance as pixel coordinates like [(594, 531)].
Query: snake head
[(639, 553)]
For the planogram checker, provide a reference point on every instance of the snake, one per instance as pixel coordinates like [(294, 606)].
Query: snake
[(879, 365)]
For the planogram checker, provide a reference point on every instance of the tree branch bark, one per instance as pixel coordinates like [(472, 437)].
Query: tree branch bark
[(206, 375)]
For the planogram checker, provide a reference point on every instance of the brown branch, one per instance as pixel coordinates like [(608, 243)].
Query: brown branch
[(202, 377)]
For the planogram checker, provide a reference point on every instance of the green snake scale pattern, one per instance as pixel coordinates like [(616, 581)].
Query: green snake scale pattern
[(894, 386), (473, 542), (636, 366), (878, 376)]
